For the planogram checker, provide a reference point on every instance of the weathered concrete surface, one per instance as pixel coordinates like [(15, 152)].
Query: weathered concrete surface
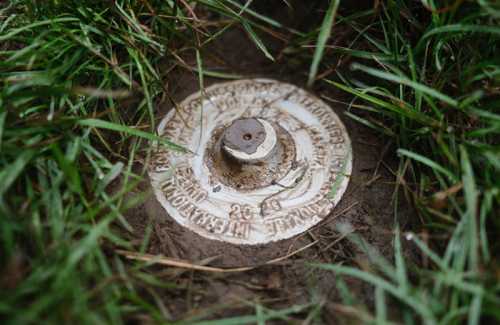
[(304, 178)]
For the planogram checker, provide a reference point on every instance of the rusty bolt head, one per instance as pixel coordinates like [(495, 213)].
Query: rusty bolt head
[(250, 140)]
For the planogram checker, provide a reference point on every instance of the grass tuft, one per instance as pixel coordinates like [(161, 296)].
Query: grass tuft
[(428, 79), (79, 85)]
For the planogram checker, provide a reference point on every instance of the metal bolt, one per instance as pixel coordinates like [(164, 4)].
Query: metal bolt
[(250, 140)]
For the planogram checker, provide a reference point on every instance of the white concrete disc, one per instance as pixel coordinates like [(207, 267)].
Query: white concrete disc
[(256, 204)]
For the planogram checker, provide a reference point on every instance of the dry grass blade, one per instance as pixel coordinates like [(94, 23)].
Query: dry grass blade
[(158, 259)]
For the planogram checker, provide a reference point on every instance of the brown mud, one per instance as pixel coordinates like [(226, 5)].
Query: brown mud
[(367, 206)]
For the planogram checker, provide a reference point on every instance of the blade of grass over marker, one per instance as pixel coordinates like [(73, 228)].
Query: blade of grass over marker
[(101, 124)]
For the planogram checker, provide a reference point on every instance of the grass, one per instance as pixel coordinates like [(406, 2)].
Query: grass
[(80, 81), (433, 86)]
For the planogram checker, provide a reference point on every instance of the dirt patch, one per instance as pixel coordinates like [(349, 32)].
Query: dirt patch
[(366, 206)]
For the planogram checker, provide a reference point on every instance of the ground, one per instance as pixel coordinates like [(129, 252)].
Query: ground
[(367, 205), (84, 83)]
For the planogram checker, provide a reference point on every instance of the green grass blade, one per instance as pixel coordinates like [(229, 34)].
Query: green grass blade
[(428, 162), (462, 28), (401, 275), (397, 109), (101, 124), (3, 117), (380, 306), (323, 36), (253, 319), (16, 31), (258, 42), (471, 195), (475, 310), (406, 81), (424, 312), (10, 173)]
